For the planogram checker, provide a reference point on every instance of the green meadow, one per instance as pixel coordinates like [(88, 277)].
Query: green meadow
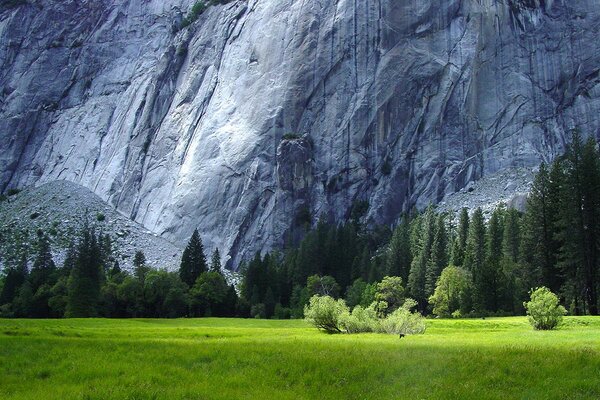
[(499, 358)]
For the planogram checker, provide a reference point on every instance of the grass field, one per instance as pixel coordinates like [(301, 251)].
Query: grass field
[(251, 359)]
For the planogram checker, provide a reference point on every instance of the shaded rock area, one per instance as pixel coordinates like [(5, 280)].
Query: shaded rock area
[(395, 103), (60, 209)]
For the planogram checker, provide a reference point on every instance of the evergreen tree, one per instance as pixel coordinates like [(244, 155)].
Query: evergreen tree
[(422, 244), (540, 245), (513, 290), (491, 277), (439, 255), (460, 243), (43, 266), (16, 275), (579, 230), (193, 261), (86, 277), (215, 262), (511, 241), (475, 253), (140, 269), (399, 257)]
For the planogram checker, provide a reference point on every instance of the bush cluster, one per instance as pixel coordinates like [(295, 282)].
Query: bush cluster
[(334, 316)]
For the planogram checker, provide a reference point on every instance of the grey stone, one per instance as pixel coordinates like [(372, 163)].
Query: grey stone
[(402, 102)]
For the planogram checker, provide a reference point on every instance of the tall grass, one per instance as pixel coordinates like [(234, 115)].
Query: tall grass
[(246, 359)]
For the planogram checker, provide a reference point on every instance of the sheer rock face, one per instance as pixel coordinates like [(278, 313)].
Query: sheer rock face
[(399, 102)]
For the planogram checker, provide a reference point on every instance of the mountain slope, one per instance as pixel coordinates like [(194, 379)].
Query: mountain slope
[(264, 112)]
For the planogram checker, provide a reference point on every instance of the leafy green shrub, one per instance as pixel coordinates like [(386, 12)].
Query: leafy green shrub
[(325, 313), (100, 217), (403, 321), (359, 320), (544, 310), (333, 316)]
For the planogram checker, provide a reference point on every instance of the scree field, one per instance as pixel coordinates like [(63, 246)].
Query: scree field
[(251, 359)]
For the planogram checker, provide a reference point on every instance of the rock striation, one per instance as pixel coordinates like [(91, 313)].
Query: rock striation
[(398, 103)]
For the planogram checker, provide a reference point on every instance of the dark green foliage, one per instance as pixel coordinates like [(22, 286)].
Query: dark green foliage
[(354, 293), (43, 270), (422, 237), (193, 261), (140, 269), (209, 294), (399, 256), (322, 286), (165, 295), (86, 277), (439, 255), (16, 275), (460, 243), (215, 261)]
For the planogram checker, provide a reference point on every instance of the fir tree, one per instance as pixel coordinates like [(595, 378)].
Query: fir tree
[(460, 243), (399, 257), (439, 256), (491, 277), (43, 266), (140, 269), (193, 261), (86, 277), (475, 253), (422, 242), (215, 262)]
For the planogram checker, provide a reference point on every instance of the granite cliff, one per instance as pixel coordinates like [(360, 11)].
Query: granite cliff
[(263, 114)]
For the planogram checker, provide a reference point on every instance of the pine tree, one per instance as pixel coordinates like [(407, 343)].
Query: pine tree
[(43, 266), (399, 257), (460, 243), (439, 256), (140, 269), (16, 275), (422, 243), (193, 261), (491, 278), (540, 243), (513, 291), (86, 277), (580, 233), (475, 253), (215, 262)]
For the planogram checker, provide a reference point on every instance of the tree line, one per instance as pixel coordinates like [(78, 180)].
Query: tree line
[(470, 264), (90, 283)]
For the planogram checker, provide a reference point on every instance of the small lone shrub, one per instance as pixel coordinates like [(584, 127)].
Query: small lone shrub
[(100, 217), (544, 310)]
